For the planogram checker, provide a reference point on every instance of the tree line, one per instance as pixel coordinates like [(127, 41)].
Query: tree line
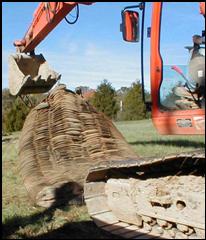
[(15, 110), (121, 105)]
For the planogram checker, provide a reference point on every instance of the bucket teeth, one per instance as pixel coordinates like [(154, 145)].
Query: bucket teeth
[(30, 74)]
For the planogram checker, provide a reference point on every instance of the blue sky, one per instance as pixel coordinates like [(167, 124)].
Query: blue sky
[(93, 49)]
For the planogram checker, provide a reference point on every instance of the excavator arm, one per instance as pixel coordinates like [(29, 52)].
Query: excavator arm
[(46, 17), (30, 73)]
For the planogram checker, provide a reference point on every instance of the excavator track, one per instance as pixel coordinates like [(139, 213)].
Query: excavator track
[(149, 198)]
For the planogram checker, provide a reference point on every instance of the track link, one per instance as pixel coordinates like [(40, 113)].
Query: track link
[(110, 197)]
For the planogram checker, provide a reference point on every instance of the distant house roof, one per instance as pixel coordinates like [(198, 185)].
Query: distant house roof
[(89, 94)]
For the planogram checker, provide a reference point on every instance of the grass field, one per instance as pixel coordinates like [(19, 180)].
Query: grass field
[(21, 220)]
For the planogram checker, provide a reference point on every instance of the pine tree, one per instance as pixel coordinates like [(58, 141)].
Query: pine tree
[(14, 111), (15, 116), (133, 106), (105, 99)]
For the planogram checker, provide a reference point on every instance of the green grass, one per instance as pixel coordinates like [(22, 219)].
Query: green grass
[(21, 220), (146, 141)]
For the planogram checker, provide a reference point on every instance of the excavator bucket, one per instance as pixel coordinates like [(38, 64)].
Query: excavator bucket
[(30, 74)]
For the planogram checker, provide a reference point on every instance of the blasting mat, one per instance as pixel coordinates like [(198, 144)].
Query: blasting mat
[(62, 138)]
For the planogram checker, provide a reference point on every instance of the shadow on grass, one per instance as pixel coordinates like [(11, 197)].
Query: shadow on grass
[(63, 197), (12, 225), (71, 230), (75, 230), (176, 143)]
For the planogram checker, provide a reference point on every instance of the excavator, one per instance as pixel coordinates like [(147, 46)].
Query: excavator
[(125, 194)]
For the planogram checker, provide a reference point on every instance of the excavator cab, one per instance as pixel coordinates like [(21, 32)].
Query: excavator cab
[(30, 74), (172, 113)]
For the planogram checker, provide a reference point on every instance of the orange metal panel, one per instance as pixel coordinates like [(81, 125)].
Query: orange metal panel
[(180, 122), (202, 8), (45, 19), (155, 60), (169, 122)]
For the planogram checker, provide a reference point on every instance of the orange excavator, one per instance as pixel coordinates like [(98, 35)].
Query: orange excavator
[(30, 73), (123, 197)]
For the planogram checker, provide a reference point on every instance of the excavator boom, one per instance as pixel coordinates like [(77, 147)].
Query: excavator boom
[(31, 73), (46, 17)]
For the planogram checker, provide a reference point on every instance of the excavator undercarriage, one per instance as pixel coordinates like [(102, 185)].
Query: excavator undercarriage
[(68, 150), (156, 197)]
